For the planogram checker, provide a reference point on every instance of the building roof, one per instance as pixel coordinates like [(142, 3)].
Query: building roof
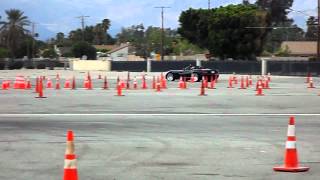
[(108, 47), (122, 46), (300, 48)]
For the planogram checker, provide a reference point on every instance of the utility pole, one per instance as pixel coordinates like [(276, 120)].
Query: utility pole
[(82, 23), (33, 38), (209, 4), (318, 41), (162, 30)]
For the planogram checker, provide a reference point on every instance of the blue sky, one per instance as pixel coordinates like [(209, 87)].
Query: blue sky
[(54, 16)]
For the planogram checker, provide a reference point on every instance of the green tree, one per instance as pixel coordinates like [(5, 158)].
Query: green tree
[(49, 53), (13, 31), (83, 48), (278, 10), (4, 53), (194, 26), (312, 30), (226, 31)]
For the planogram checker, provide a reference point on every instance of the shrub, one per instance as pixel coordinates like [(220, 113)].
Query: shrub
[(83, 48)]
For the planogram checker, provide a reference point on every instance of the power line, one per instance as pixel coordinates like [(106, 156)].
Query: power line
[(162, 29), (82, 20)]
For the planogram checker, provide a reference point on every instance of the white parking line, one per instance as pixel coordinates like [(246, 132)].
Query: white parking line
[(177, 114)]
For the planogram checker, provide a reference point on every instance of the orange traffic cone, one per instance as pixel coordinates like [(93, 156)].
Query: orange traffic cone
[(180, 83), (267, 84), (67, 84), (242, 86), (135, 83), (4, 85), (164, 83), (311, 83), (202, 89), (158, 85), (235, 79), (70, 159), (86, 83), (247, 82), (213, 83), (259, 89), (74, 86), (144, 83), (28, 86), (230, 82), (40, 88), (153, 82), (19, 83), (49, 84), (250, 80), (105, 83), (36, 90), (57, 83), (291, 162), (185, 85), (119, 89)]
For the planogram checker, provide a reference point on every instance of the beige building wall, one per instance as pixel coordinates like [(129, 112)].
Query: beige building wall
[(87, 65)]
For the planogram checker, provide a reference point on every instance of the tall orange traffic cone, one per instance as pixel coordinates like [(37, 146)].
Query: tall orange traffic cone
[(36, 90), (291, 162), (247, 82), (70, 159), (230, 82), (311, 83), (135, 83), (158, 85), (40, 94), (119, 89), (259, 89), (105, 83), (153, 82), (242, 86), (212, 83), (202, 89), (144, 83), (250, 80), (164, 83), (73, 85)]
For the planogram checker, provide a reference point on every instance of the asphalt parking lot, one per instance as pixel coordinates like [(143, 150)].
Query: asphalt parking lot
[(174, 134)]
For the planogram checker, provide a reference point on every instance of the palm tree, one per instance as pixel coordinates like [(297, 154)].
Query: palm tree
[(14, 30)]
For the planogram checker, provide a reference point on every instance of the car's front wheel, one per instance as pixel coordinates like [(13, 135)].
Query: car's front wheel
[(170, 77)]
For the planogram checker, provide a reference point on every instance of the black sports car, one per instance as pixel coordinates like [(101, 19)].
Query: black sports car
[(196, 71)]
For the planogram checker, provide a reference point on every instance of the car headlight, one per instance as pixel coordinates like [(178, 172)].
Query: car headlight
[(213, 72)]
